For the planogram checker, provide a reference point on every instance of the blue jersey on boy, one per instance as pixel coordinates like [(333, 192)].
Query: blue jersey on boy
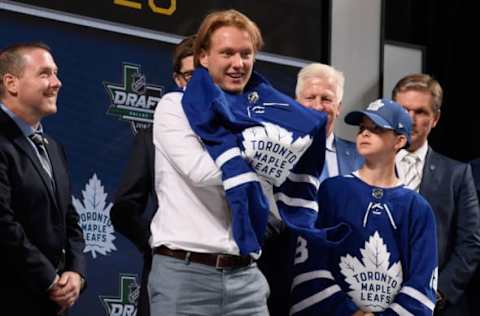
[(388, 263)]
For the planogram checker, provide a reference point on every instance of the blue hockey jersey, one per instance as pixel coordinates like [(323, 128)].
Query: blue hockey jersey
[(259, 134), (387, 265)]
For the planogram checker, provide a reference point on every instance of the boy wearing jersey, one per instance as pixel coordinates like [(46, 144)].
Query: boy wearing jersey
[(387, 265)]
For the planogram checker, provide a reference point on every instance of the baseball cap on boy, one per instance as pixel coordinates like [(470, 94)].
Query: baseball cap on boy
[(387, 114)]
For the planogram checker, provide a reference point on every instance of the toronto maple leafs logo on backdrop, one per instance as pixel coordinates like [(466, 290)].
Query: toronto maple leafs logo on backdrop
[(95, 218), (272, 152), (373, 282)]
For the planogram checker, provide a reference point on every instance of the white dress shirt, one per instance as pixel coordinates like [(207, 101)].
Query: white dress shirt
[(331, 156), (193, 214)]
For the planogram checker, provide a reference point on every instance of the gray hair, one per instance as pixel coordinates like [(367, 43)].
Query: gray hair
[(322, 71)]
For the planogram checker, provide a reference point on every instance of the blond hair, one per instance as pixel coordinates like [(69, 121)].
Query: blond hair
[(218, 19)]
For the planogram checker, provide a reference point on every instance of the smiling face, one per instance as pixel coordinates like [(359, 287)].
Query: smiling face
[(321, 94), (230, 58), (35, 89)]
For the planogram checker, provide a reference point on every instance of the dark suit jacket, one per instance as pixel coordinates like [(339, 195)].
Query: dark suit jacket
[(449, 188), (129, 213), (36, 224), (473, 291), (475, 164)]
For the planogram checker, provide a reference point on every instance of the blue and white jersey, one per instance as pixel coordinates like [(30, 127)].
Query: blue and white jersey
[(259, 134), (386, 265)]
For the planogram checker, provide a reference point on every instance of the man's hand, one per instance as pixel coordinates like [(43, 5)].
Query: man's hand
[(66, 290)]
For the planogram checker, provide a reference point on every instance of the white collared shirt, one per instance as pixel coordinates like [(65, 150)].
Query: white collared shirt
[(193, 214), (331, 156), (421, 153)]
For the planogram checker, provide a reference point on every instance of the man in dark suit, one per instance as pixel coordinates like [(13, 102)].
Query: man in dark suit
[(130, 215), (449, 188), (42, 244)]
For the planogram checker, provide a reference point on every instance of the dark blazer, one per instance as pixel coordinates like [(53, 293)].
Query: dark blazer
[(473, 291), (130, 215), (449, 188), (37, 225), (475, 164)]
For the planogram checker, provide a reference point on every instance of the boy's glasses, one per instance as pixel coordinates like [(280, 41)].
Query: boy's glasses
[(186, 75)]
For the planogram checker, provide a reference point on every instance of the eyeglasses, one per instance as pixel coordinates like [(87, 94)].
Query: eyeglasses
[(186, 75)]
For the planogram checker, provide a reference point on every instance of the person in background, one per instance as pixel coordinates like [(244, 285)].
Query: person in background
[(321, 87), (41, 241), (130, 214), (449, 188)]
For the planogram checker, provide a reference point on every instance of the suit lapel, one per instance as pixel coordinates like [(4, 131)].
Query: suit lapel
[(57, 168), (430, 174), (344, 158), (21, 141)]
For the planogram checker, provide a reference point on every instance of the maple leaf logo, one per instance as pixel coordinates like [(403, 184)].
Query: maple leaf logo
[(375, 106), (95, 218), (373, 283), (272, 152)]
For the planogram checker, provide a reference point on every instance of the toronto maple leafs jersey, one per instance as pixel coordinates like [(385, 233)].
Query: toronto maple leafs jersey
[(386, 265), (259, 135)]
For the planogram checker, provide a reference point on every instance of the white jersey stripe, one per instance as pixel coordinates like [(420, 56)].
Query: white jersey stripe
[(400, 310), (419, 296), (314, 299), (226, 156), (296, 177), (239, 180), (318, 274), (296, 202)]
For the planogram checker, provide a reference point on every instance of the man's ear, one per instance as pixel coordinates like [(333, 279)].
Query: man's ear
[(176, 79), (339, 108), (203, 58), (436, 119), (10, 83)]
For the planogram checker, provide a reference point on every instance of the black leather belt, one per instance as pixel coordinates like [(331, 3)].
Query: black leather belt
[(219, 261)]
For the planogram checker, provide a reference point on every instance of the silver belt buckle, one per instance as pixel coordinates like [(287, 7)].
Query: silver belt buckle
[(217, 263)]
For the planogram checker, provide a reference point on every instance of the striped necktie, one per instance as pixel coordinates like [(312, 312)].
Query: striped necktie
[(39, 142), (412, 177)]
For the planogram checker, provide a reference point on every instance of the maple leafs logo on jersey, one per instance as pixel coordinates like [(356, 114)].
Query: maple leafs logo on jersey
[(373, 282), (272, 152), (95, 218)]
